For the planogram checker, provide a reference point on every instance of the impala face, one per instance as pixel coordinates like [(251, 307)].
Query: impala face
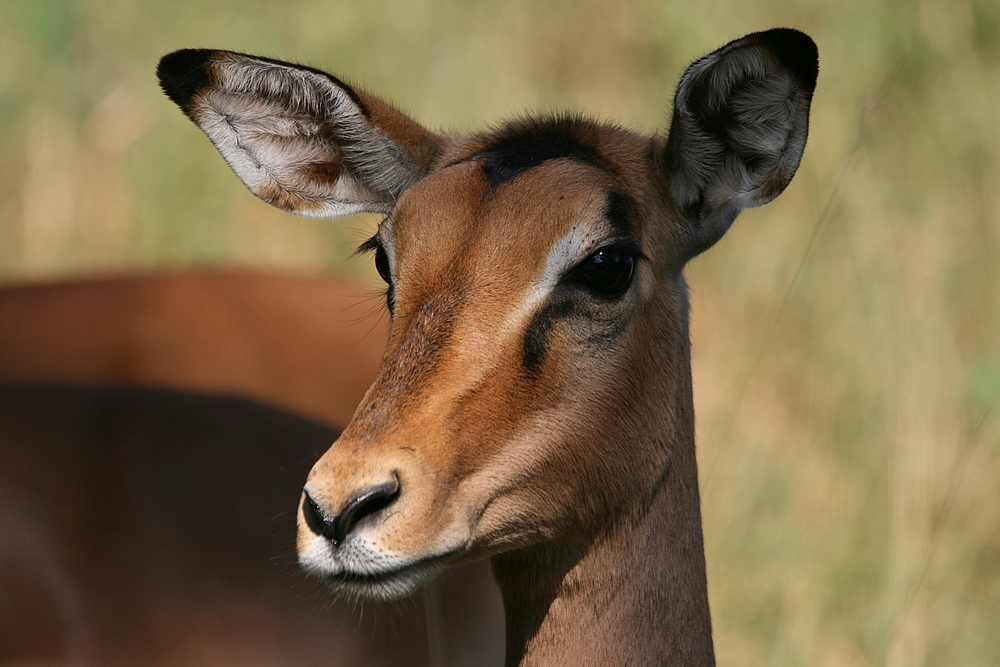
[(511, 298), (539, 314)]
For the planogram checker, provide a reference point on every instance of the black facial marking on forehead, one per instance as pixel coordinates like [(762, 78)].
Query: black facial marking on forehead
[(511, 156), (619, 213)]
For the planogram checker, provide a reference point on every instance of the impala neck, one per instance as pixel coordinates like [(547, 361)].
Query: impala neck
[(638, 596)]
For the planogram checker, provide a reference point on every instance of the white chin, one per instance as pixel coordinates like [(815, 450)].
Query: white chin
[(367, 576), (384, 586)]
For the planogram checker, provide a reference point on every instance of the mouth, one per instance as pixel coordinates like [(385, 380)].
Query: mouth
[(388, 585)]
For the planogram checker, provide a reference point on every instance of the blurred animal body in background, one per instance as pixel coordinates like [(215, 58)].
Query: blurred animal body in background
[(147, 504)]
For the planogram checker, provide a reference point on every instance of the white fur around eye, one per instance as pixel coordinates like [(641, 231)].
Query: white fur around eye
[(565, 253)]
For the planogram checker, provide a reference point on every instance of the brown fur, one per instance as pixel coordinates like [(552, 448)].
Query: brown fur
[(221, 331)]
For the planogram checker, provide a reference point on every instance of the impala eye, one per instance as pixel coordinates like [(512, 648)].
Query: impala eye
[(382, 264), (608, 272)]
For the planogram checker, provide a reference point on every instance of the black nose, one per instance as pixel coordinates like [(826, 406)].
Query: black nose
[(366, 503)]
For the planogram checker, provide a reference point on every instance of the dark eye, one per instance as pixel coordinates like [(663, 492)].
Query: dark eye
[(382, 264), (608, 272)]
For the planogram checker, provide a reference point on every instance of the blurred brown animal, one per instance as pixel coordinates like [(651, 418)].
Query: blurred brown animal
[(304, 343)]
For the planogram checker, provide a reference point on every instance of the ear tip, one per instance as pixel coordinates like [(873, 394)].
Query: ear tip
[(796, 50), (183, 73)]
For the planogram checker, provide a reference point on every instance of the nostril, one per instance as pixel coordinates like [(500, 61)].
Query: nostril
[(318, 521), (364, 504)]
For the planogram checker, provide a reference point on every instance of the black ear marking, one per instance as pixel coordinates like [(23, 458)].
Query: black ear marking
[(741, 119), (183, 73), (796, 51)]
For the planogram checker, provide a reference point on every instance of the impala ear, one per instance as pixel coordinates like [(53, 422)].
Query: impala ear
[(299, 138), (741, 116)]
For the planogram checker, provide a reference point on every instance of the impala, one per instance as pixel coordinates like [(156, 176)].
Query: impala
[(291, 341), (534, 400)]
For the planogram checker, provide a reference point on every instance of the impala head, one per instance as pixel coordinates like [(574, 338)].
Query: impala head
[(536, 379)]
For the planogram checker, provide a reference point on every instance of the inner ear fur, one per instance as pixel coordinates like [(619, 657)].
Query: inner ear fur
[(740, 121), (298, 137)]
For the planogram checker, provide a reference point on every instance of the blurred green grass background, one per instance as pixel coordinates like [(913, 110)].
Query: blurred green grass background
[(846, 337)]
